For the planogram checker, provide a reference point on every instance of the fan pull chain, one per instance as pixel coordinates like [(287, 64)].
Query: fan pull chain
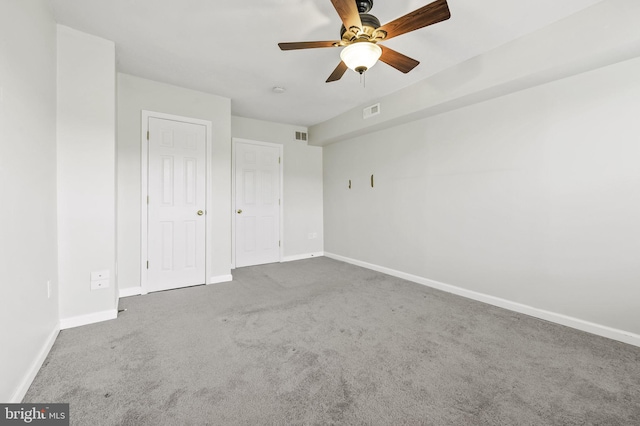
[(363, 79)]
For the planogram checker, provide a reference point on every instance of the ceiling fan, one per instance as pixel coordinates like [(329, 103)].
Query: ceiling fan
[(361, 32)]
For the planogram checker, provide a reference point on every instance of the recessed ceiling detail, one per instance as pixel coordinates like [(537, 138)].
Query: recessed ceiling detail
[(230, 48)]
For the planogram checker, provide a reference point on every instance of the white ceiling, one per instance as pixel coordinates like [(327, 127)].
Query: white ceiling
[(229, 48)]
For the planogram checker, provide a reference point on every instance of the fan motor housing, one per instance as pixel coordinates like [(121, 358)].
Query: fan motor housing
[(369, 25)]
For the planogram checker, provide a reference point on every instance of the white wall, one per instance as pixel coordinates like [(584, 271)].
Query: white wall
[(28, 253), (531, 197), (134, 95), (302, 176), (86, 175)]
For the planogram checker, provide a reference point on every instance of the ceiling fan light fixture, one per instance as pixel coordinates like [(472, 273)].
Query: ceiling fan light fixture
[(360, 32), (361, 56)]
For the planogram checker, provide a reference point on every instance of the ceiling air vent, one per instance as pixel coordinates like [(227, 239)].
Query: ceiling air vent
[(370, 111), (301, 136)]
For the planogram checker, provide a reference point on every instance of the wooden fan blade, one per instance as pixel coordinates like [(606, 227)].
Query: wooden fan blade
[(307, 45), (398, 60), (430, 14), (338, 72), (348, 11)]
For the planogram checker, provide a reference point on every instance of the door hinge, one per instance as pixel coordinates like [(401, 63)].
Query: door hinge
[(147, 135), (278, 160), (147, 264), (279, 245), (147, 199)]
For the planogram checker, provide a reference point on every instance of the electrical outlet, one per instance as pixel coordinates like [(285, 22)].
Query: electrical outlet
[(99, 279)]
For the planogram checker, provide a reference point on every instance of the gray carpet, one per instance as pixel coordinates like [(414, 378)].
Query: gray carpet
[(323, 342)]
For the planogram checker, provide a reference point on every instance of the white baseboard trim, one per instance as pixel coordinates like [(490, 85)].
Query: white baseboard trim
[(220, 279), (72, 322), (19, 394), (589, 327), (302, 256), (130, 291)]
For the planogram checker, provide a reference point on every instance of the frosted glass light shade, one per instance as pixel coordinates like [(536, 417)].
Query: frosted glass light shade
[(361, 56)]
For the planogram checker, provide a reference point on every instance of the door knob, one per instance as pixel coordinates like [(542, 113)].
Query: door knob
[(239, 211), (200, 212)]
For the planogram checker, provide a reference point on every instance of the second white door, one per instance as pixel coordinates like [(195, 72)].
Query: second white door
[(257, 203)]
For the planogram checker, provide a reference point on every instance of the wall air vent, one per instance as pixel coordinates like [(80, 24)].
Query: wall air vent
[(301, 136), (370, 111)]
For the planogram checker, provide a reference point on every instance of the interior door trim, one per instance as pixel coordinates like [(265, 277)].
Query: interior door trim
[(144, 190), (233, 195)]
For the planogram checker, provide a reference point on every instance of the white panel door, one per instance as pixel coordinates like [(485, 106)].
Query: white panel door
[(176, 211), (257, 216)]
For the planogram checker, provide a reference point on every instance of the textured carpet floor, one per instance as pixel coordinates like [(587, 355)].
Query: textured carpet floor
[(323, 342)]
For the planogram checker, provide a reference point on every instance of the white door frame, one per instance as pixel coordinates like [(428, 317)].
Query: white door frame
[(233, 195), (144, 190)]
